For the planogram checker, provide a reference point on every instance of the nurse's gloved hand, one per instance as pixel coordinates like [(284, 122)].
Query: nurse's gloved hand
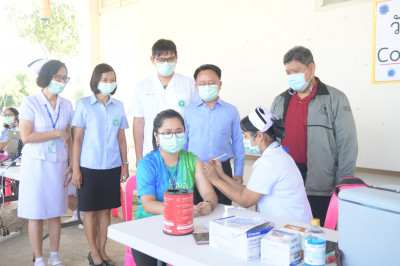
[(209, 171), (218, 166)]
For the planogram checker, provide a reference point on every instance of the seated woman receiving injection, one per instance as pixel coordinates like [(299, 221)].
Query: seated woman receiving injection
[(170, 167), (275, 184)]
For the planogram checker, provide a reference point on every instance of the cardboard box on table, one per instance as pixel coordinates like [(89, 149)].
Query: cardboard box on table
[(280, 247), (239, 236), (369, 226)]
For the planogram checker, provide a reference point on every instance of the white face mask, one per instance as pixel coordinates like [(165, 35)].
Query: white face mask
[(9, 119)]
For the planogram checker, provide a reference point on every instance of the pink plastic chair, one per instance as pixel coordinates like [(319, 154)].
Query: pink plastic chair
[(114, 212), (8, 188), (129, 188), (333, 208)]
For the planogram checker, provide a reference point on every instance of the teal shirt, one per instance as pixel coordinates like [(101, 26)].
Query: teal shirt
[(153, 179)]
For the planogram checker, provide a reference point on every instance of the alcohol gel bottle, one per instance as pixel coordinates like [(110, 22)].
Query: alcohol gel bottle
[(314, 245)]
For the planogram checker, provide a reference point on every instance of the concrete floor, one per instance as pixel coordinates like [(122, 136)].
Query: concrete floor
[(73, 245)]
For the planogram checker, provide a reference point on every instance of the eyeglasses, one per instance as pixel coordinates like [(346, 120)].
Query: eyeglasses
[(209, 83), (60, 78), (4, 115), (162, 60), (168, 135)]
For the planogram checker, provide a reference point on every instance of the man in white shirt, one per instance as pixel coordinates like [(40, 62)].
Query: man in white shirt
[(160, 91)]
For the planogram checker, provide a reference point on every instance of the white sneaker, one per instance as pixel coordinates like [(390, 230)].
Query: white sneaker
[(72, 219), (80, 226), (55, 262)]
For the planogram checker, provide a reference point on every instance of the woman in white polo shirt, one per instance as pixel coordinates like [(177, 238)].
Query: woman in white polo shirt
[(275, 184), (99, 151)]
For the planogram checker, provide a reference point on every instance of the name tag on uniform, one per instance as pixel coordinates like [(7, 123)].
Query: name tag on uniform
[(52, 146)]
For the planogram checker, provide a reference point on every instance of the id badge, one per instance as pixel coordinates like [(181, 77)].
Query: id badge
[(52, 146)]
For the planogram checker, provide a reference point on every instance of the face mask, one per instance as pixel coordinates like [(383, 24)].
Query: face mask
[(298, 82), (172, 145), (106, 88), (208, 92), (56, 87), (9, 120), (249, 148), (165, 69)]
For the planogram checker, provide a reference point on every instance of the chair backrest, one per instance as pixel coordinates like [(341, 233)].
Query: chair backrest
[(333, 208), (129, 188)]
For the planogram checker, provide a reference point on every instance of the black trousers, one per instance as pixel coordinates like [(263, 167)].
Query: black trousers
[(226, 166), (142, 259), (319, 204)]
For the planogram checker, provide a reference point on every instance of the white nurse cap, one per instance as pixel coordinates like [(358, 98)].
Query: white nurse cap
[(37, 65), (261, 118)]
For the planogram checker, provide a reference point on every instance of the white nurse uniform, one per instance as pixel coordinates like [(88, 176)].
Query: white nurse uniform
[(42, 194), (276, 175)]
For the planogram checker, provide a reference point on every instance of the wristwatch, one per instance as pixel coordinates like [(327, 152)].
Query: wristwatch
[(125, 162)]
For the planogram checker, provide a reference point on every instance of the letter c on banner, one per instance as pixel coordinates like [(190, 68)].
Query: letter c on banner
[(379, 54)]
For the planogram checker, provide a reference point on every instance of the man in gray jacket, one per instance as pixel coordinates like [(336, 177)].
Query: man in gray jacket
[(320, 130)]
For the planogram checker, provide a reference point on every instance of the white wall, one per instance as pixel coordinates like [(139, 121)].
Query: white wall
[(248, 39)]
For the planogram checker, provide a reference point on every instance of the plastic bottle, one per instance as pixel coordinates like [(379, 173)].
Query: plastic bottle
[(314, 245), (226, 212)]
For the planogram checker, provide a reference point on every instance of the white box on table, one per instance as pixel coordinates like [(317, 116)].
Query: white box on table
[(280, 247), (239, 236)]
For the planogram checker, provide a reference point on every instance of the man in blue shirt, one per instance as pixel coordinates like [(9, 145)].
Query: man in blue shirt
[(213, 127)]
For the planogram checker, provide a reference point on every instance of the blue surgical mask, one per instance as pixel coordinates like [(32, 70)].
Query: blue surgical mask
[(106, 88), (173, 144), (249, 148), (165, 69), (298, 82), (208, 92), (56, 87), (9, 120)]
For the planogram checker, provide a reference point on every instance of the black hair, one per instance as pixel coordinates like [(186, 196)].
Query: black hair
[(163, 46), (298, 53), (16, 114), (275, 132), (214, 68), (98, 71), (159, 121), (48, 71)]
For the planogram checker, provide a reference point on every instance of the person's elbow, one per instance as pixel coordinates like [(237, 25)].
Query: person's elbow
[(146, 207), (24, 139), (246, 204)]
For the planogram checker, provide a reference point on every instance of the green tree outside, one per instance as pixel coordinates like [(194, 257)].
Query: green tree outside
[(58, 38)]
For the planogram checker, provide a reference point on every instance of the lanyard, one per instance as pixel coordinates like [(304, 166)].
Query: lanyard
[(58, 115), (176, 173)]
